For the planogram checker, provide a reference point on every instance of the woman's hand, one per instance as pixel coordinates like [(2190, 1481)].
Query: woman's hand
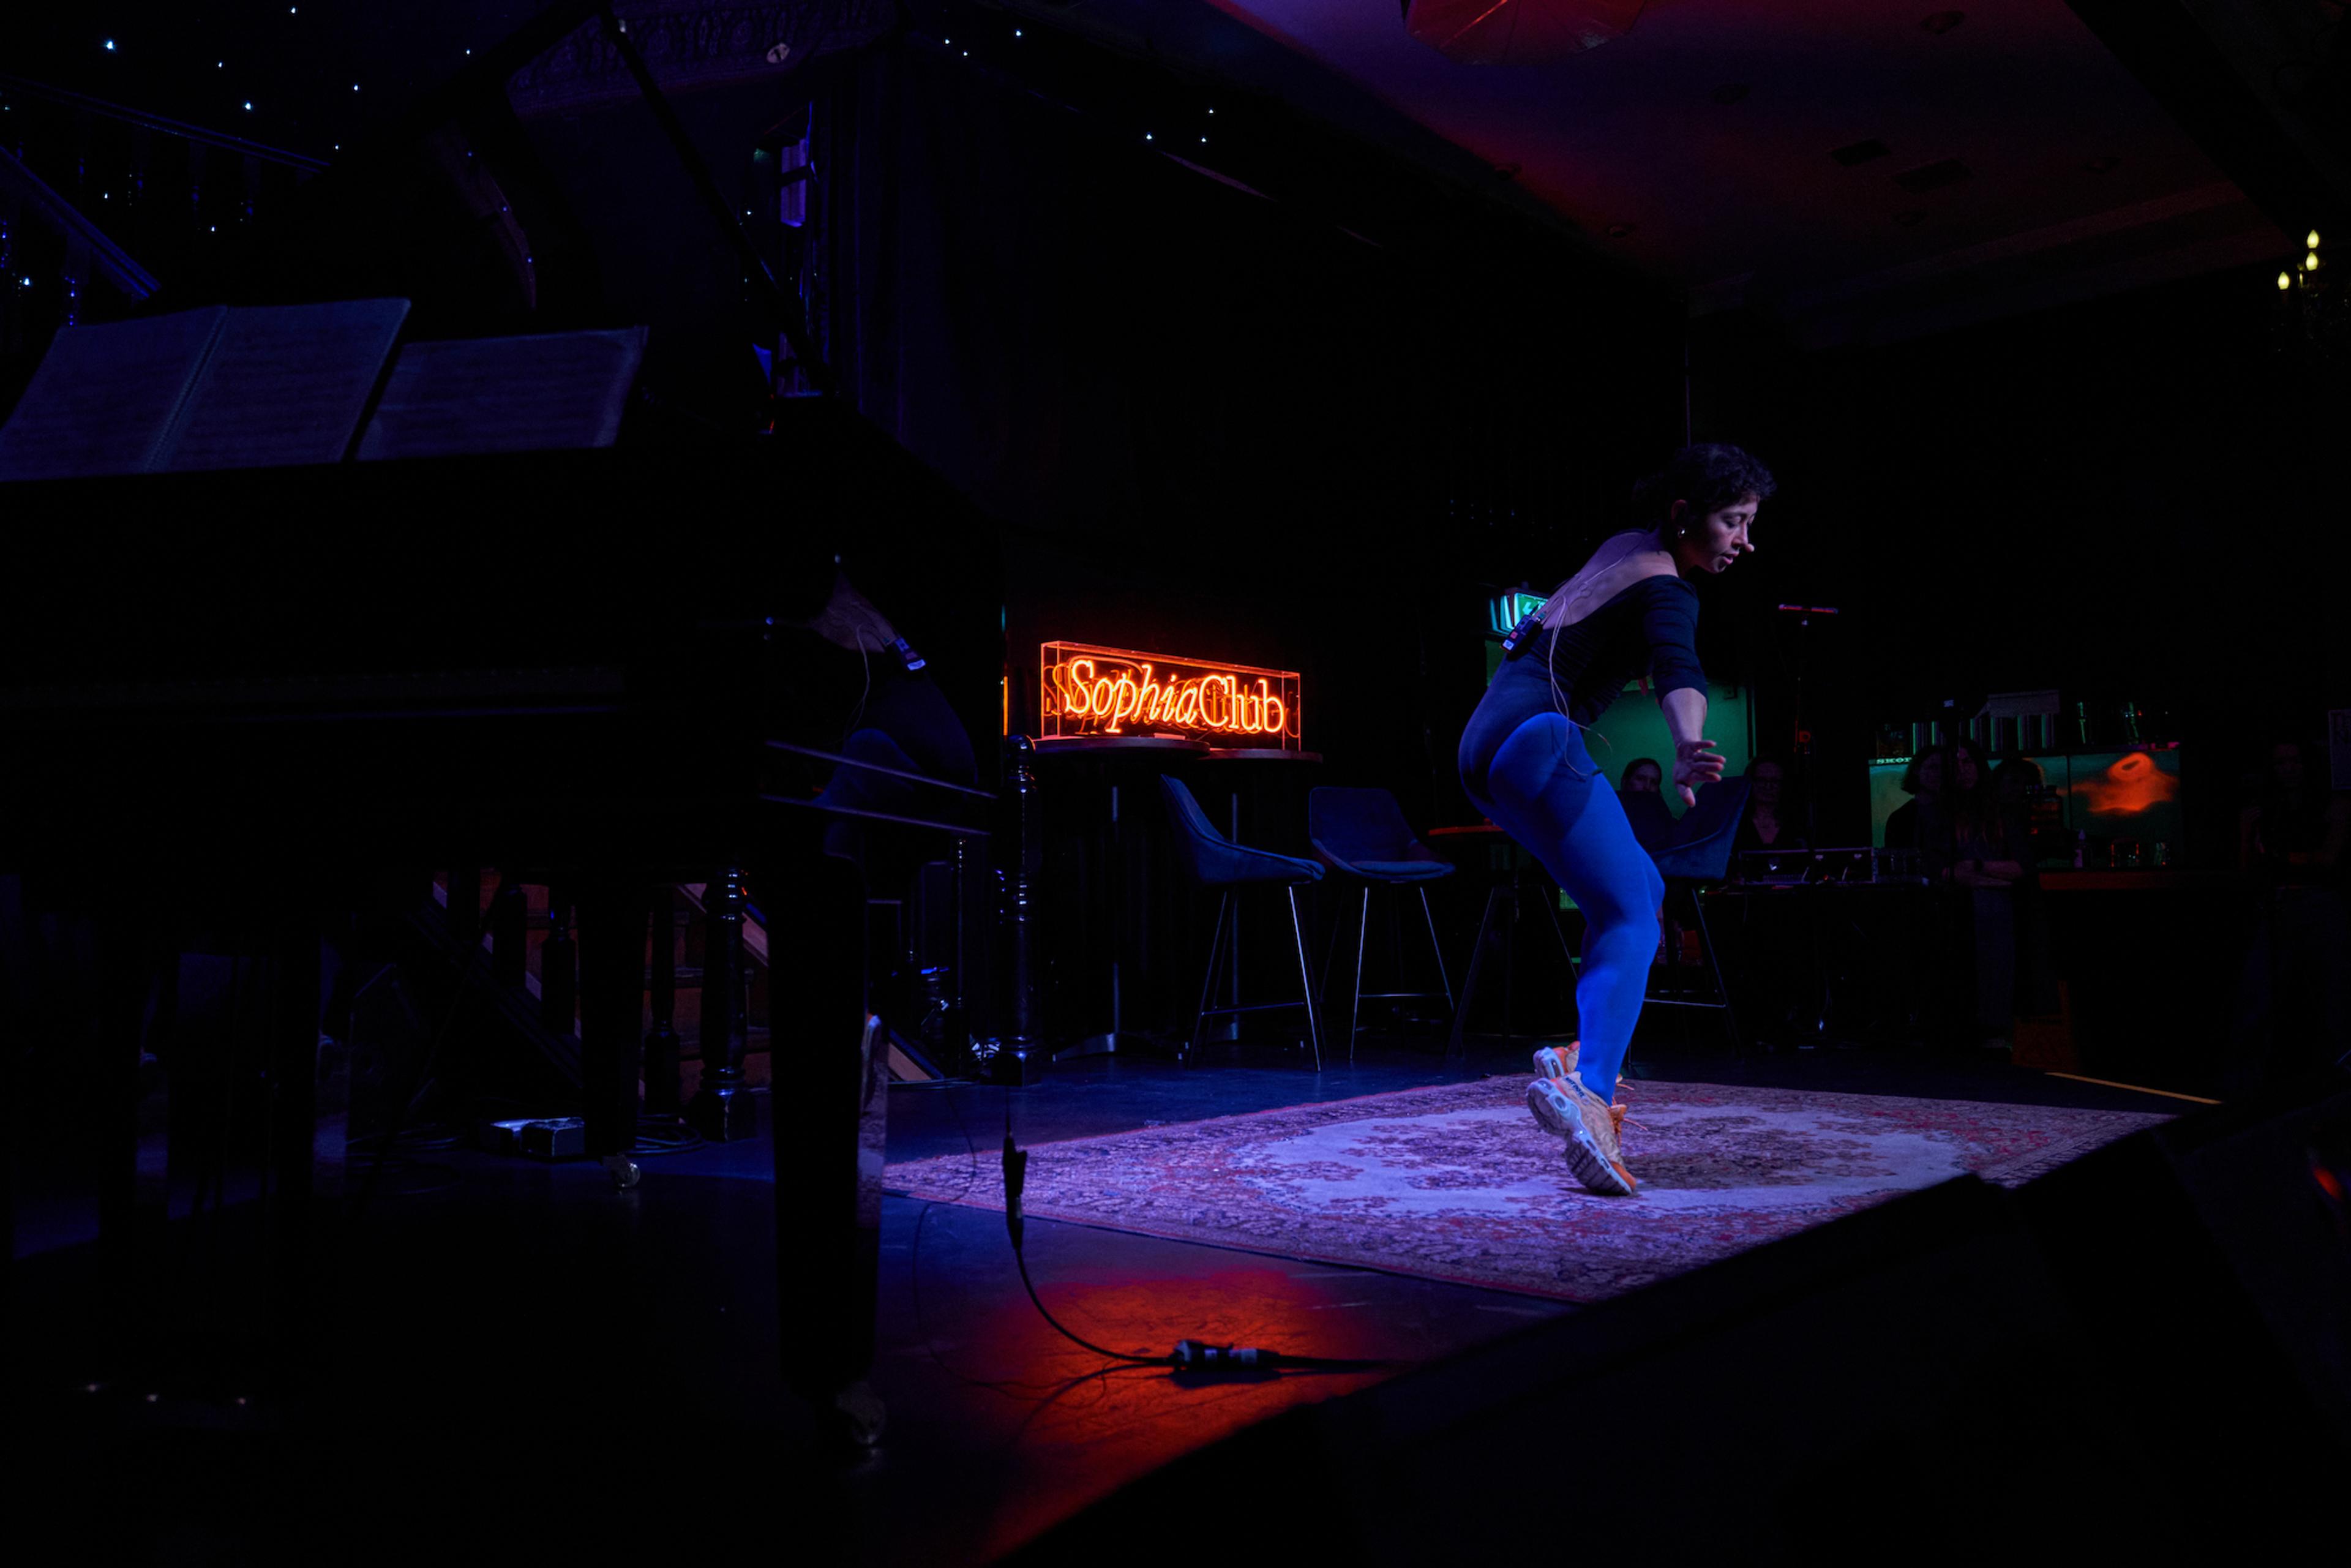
[(1696, 762)]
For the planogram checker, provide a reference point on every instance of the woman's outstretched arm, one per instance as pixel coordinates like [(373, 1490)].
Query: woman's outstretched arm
[(1696, 761)]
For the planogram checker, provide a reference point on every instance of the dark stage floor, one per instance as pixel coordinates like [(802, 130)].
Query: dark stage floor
[(523, 1360)]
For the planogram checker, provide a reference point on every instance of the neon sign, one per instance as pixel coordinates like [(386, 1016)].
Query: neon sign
[(1505, 611), (1086, 690)]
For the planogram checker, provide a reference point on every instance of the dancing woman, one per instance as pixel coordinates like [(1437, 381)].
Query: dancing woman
[(1523, 761)]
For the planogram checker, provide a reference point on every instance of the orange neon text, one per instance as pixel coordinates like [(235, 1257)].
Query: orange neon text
[(1096, 691)]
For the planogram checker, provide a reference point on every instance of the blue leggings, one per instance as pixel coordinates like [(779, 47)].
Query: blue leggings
[(1548, 794)]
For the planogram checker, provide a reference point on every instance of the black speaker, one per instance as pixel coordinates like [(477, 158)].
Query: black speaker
[(2142, 1351)]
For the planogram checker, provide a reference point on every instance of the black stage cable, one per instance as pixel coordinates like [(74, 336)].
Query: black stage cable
[(1193, 1356), (1045, 1391)]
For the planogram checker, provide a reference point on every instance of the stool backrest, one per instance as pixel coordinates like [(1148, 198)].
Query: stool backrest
[(1361, 825), (1708, 831), (1197, 842)]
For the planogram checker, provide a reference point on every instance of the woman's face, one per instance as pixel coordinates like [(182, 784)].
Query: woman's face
[(1967, 759), (1720, 538), (1930, 775), (1765, 781), (1643, 778)]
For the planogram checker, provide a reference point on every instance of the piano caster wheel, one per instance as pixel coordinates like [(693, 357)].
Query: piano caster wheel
[(623, 1171)]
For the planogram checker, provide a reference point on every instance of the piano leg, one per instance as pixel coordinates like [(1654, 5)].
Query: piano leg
[(123, 971), (722, 1110), (509, 923), (559, 963), (661, 1086), (611, 985), (827, 1109), (465, 907)]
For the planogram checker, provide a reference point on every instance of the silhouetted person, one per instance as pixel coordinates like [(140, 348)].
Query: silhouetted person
[(2292, 1013), (1763, 828)]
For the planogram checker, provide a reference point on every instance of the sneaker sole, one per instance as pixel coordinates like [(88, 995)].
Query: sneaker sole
[(1590, 1167), (1553, 1061)]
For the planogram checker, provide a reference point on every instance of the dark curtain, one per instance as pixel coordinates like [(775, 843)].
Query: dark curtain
[(1216, 424)]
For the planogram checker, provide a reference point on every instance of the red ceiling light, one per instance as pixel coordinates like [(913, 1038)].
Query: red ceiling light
[(1517, 32)]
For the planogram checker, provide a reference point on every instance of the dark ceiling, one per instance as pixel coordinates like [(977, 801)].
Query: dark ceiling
[(1863, 170), (1863, 167)]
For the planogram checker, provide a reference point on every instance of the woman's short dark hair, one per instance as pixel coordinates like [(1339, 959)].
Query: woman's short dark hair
[(1708, 478), (1950, 786)]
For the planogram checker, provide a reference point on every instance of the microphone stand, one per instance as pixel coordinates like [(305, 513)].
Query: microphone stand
[(1801, 735), (1800, 756)]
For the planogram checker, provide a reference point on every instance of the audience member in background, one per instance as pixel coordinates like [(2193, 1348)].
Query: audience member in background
[(1922, 823), (2019, 786), (2293, 1015), (1641, 791), (1767, 948), (2023, 789), (2013, 783), (1763, 828), (2294, 831), (1986, 855)]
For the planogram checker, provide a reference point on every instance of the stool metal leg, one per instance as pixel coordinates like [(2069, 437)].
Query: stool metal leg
[(1208, 981), (1476, 963), (1437, 947), (1306, 988), (1355, 1003), (1706, 940)]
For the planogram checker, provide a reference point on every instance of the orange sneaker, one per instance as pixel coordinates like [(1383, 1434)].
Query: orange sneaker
[(1565, 1107), (1557, 1061)]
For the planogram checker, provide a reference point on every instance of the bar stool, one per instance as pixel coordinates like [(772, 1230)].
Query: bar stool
[(1208, 858), (1692, 855), (1363, 833), (1505, 898)]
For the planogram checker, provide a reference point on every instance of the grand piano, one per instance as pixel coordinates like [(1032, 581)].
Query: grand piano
[(253, 700)]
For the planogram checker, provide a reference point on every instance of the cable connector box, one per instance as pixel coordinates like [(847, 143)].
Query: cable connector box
[(541, 1138)]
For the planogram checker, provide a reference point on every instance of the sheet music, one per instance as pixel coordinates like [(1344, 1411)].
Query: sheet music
[(286, 384), (565, 389), (107, 400)]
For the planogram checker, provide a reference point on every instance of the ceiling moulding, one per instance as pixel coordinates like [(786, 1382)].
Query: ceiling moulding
[(1517, 32)]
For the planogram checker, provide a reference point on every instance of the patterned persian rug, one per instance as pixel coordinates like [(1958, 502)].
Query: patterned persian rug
[(1457, 1182)]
